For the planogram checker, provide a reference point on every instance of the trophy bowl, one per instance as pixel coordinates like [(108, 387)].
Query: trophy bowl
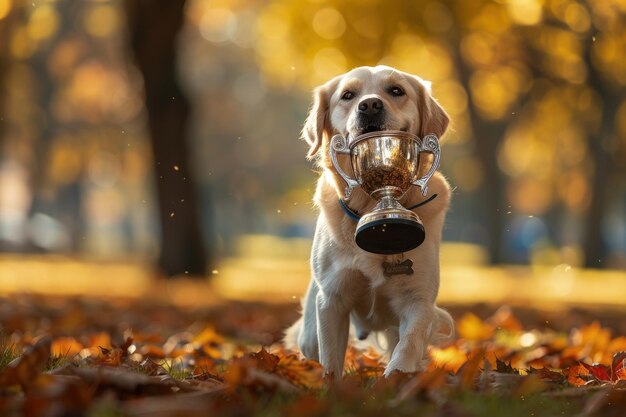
[(386, 164)]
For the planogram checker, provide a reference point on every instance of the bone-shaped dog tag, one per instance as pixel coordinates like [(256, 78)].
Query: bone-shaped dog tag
[(398, 268)]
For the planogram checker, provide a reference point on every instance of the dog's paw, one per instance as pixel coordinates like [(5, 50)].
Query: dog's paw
[(405, 365)]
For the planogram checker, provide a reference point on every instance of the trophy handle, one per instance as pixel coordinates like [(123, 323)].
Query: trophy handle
[(430, 143), (339, 144)]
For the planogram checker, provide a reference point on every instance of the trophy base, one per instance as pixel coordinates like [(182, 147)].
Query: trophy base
[(388, 236)]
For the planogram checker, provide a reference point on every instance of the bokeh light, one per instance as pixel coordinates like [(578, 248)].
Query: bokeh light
[(535, 91)]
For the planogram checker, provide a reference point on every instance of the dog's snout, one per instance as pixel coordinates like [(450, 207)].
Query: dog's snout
[(370, 106)]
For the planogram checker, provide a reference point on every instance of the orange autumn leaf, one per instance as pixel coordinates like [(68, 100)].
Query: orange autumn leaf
[(593, 340), (235, 373), (110, 357), (65, 346), (208, 336), (152, 351), (574, 373), (546, 374), (505, 319), (470, 369), (301, 372), (599, 372), (356, 358), (204, 366), (101, 339), (430, 380), (212, 351), (498, 353), (617, 345), (239, 368), (472, 328), (450, 358), (265, 361)]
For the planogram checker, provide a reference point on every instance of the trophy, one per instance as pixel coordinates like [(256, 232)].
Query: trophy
[(386, 164)]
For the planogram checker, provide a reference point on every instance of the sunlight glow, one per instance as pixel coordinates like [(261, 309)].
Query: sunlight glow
[(43, 22), (527, 339), (218, 25), (525, 12), (102, 21), (329, 62), (5, 8), (329, 23)]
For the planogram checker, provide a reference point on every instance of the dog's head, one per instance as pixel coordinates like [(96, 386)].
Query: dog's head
[(369, 99)]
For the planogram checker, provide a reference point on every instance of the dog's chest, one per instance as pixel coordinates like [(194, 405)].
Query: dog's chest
[(374, 310), (383, 270)]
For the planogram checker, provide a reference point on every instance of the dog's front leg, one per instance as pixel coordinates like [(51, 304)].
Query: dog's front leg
[(333, 325), (408, 355)]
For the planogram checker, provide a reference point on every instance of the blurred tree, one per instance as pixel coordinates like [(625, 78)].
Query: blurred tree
[(153, 26), (488, 121), (7, 19), (607, 78), (575, 50), (538, 86), (48, 24)]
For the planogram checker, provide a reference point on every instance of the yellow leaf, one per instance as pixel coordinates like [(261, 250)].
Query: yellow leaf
[(450, 358), (65, 346), (472, 328)]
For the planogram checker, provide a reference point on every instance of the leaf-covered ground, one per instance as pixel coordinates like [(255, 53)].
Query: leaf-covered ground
[(69, 356)]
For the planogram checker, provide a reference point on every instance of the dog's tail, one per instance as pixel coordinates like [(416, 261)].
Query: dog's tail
[(443, 330), (290, 339)]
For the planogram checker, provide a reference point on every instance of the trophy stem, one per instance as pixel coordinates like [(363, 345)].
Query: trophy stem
[(389, 228), (389, 202)]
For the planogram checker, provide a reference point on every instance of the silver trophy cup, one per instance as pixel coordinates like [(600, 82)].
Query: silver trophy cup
[(386, 164)]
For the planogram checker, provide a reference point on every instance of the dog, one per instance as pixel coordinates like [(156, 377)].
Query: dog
[(348, 285)]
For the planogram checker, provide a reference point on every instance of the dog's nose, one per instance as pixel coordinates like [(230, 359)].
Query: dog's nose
[(370, 106)]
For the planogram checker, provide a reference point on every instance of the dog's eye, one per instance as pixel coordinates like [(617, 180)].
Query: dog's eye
[(396, 91), (347, 95)]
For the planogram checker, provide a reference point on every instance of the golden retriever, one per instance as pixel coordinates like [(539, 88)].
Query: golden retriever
[(348, 284)]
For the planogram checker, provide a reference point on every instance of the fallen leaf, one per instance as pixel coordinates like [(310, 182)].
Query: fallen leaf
[(546, 374), (472, 328), (265, 361), (505, 319), (301, 372), (505, 368), (574, 373), (469, 371), (450, 358), (618, 366), (65, 346), (599, 372)]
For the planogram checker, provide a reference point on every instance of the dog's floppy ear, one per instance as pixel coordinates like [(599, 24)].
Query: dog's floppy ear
[(313, 130), (317, 121), (433, 118)]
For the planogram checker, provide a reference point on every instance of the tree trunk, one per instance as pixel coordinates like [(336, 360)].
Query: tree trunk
[(153, 26), (6, 25), (600, 149), (487, 137)]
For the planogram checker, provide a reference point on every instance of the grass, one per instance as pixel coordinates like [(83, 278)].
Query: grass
[(8, 352), (57, 362), (176, 369)]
